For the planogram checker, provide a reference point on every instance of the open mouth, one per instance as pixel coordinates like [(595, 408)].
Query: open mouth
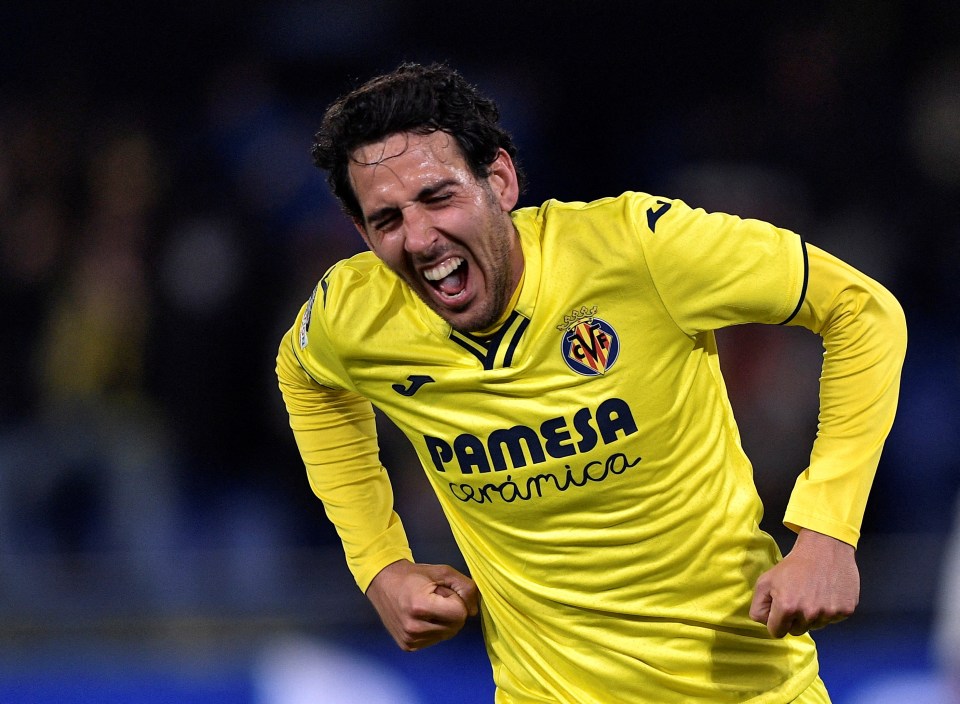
[(448, 278)]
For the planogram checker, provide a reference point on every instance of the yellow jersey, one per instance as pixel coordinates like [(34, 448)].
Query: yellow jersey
[(585, 452)]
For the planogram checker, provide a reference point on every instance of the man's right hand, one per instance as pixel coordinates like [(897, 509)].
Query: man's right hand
[(422, 604)]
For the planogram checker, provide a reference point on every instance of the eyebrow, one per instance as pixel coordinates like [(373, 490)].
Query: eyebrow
[(424, 193)]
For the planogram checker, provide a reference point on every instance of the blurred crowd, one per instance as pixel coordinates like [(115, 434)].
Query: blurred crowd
[(161, 223)]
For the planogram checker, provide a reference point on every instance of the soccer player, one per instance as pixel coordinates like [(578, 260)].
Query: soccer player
[(556, 370)]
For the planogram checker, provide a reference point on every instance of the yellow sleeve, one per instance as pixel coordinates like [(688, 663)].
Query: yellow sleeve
[(864, 337), (336, 434), (713, 270)]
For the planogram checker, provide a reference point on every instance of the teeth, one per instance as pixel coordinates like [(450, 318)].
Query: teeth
[(443, 269)]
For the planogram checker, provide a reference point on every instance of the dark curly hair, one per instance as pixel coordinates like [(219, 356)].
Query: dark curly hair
[(412, 98)]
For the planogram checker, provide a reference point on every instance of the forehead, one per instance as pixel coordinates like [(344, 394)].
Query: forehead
[(406, 160)]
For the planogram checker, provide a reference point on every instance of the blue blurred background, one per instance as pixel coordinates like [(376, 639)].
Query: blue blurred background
[(161, 223)]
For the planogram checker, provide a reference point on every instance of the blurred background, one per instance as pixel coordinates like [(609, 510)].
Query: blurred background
[(161, 223)]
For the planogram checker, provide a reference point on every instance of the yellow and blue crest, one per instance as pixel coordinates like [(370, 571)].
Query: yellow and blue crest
[(590, 346)]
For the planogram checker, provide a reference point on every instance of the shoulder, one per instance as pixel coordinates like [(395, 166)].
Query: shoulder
[(610, 224), (360, 301), (348, 287), (348, 306), (343, 295), (629, 207), (352, 276)]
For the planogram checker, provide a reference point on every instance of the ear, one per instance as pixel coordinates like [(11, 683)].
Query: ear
[(503, 181)]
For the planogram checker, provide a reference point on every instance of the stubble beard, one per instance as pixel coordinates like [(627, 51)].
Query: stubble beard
[(488, 308)]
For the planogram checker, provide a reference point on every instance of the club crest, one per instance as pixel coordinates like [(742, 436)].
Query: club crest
[(590, 346)]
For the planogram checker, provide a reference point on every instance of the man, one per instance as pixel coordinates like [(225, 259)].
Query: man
[(556, 371)]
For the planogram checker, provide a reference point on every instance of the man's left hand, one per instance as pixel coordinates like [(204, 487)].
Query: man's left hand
[(816, 584)]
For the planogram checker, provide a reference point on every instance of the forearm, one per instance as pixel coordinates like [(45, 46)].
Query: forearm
[(864, 337), (336, 434)]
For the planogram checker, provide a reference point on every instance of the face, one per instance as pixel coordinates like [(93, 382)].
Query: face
[(446, 233)]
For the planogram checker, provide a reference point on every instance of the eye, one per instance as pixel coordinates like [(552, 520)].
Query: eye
[(386, 223), (438, 198)]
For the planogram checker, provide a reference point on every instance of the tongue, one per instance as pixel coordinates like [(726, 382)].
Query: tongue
[(453, 283)]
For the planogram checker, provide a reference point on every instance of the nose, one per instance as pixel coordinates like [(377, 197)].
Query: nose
[(419, 231)]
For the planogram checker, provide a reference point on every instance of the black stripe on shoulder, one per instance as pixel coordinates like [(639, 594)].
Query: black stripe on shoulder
[(803, 289)]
